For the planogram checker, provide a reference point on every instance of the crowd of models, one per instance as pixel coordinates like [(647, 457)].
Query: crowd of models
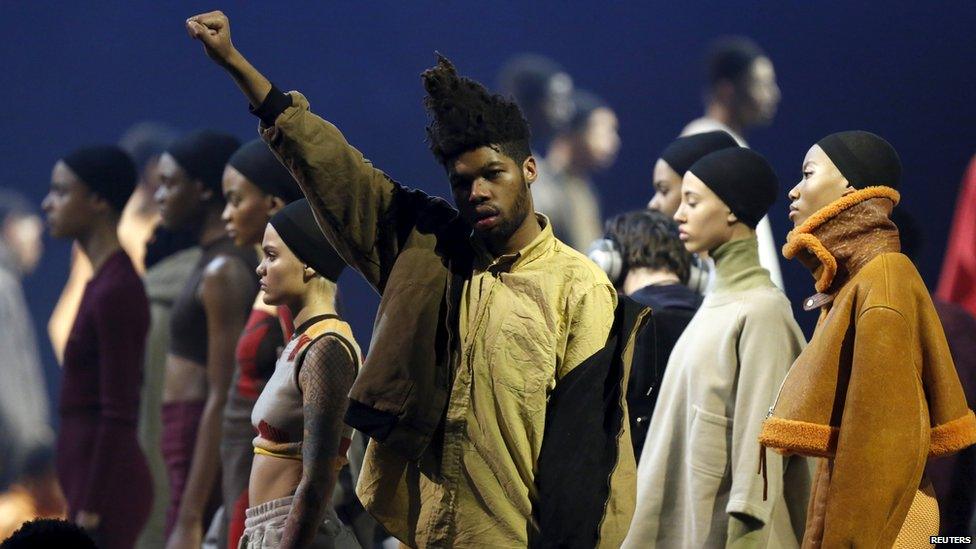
[(533, 379)]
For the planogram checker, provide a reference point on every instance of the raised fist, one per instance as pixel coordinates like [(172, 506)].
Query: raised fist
[(213, 29)]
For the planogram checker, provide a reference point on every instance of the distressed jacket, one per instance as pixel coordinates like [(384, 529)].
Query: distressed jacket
[(415, 251)]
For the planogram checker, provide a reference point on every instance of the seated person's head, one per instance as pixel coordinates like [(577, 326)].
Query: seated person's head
[(649, 240), (838, 165), (48, 533), (723, 197), (674, 162)]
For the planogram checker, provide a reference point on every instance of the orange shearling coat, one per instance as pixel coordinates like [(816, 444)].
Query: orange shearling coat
[(875, 392)]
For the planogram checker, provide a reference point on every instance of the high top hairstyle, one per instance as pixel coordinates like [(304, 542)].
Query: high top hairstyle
[(464, 116)]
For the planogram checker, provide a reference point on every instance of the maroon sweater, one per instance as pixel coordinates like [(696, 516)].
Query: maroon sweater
[(100, 464)]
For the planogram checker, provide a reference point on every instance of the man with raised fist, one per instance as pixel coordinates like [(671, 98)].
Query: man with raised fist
[(483, 311)]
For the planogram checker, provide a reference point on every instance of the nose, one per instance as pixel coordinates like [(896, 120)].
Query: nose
[(46, 203), (225, 215), (260, 270), (679, 216), (654, 203), (794, 193), (479, 191)]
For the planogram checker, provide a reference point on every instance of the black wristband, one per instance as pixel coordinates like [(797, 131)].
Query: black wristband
[(273, 105)]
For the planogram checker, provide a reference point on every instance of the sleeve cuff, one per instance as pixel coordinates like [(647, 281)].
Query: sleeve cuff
[(273, 105)]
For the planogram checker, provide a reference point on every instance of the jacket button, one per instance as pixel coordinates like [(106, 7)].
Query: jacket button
[(809, 303)]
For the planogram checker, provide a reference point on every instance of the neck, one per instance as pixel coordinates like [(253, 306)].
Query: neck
[(561, 159), (313, 304), (723, 114), (737, 266), (644, 276), (99, 244), (522, 237), (211, 228)]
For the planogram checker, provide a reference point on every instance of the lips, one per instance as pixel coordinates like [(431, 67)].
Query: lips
[(485, 218)]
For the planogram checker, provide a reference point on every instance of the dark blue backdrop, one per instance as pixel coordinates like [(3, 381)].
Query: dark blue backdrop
[(80, 73)]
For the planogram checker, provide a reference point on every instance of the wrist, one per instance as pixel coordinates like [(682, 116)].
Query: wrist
[(232, 61)]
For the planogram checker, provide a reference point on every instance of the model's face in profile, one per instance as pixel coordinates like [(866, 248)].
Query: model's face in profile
[(704, 221), (600, 138), (282, 274), (491, 192), (558, 103), (761, 93), (69, 205), (667, 189), (180, 198), (248, 208), (821, 184)]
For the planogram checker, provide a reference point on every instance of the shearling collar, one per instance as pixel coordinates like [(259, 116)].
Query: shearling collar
[(844, 236)]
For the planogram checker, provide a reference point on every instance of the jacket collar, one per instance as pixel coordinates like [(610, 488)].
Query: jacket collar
[(843, 237), (541, 244)]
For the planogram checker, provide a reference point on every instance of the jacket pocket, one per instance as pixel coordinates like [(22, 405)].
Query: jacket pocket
[(710, 443)]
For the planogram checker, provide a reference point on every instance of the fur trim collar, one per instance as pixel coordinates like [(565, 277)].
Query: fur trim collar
[(804, 237)]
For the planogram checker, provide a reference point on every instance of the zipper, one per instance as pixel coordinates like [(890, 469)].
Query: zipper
[(769, 413)]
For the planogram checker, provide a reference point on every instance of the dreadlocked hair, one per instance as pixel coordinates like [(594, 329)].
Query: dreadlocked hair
[(465, 116)]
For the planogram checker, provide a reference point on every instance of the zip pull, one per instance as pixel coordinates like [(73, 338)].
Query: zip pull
[(769, 413)]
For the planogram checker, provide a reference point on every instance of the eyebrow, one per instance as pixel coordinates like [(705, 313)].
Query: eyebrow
[(807, 163), (690, 193)]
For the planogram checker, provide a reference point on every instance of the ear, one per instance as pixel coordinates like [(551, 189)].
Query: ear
[(308, 274), (530, 171), (99, 203), (732, 219), (206, 193), (276, 205), (849, 189)]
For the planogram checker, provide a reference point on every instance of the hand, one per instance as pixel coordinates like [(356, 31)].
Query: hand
[(186, 536), (87, 520), (213, 30)]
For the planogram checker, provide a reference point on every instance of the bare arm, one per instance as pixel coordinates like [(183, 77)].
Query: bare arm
[(325, 377), (213, 30), (364, 214), (226, 292)]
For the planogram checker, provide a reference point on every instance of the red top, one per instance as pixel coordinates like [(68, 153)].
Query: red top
[(958, 281), (257, 349)]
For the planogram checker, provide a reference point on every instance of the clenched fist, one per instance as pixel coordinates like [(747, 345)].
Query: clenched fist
[(213, 29)]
